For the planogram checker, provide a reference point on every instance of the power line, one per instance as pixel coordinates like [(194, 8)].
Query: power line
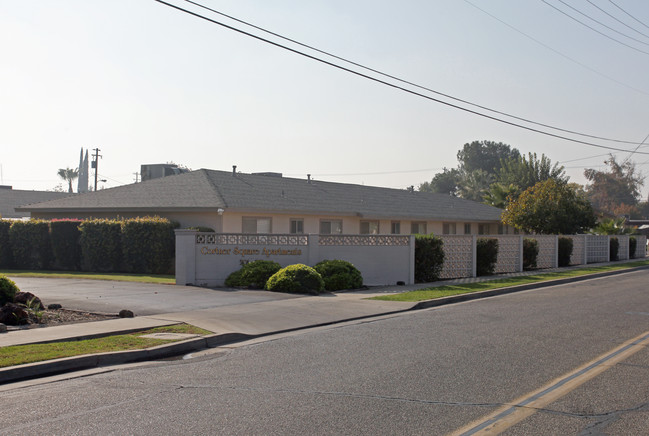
[(557, 51), (602, 24), (392, 85), (617, 19), (630, 15), (411, 83), (593, 29)]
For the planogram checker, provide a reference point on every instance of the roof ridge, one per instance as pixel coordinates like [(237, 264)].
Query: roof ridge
[(205, 173)]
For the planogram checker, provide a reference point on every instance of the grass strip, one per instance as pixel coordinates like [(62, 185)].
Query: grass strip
[(449, 290), (21, 354), (121, 277)]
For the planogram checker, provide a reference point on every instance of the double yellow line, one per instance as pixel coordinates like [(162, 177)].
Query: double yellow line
[(519, 409)]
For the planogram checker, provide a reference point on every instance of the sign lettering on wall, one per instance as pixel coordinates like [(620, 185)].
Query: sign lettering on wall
[(243, 252)]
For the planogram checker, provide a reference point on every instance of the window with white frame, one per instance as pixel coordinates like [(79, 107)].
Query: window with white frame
[(418, 228), (251, 224), (467, 228), (297, 225), (395, 227), (331, 227), (369, 227), (449, 229)]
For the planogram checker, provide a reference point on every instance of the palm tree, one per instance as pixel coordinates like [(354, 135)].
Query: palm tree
[(68, 175)]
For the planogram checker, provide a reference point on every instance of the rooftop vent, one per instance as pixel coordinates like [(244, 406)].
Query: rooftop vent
[(234, 170)]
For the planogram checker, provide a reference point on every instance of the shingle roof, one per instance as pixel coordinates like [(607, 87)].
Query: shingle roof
[(12, 198), (210, 189)]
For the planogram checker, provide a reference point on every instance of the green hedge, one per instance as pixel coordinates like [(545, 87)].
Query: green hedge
[(101, 245), (148, 245), (429, 258), (65, 235), (530, 253), (297, 278), (565, 251), (30, 244), (487, 256), (339, 275), (633, 244), (614, 248), (6, 258)]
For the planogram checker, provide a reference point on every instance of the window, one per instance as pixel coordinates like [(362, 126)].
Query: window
[(331, 227), (467, 228), (502, 229), (369, 228), (418, 227), (255, 225), (483, 229), (449, 229), (395, 228), (297, 225)]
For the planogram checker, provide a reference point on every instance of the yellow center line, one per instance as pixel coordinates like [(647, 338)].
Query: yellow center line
[(514, 412)]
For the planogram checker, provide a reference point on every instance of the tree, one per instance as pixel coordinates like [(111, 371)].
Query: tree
[(68, 175), (612, 226), (445, 182), (499, 195), (486, 156), (474, 185), (550, 207), (614, 190), (527, 172)]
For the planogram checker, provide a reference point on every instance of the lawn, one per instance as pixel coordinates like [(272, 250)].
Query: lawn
[(20, 354), (122, 277), (448, 290)]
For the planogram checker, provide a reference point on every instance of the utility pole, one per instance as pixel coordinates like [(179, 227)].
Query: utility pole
[(95, 163)]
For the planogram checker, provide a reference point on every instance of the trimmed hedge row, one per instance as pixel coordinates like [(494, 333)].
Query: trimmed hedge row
[(139, 245)]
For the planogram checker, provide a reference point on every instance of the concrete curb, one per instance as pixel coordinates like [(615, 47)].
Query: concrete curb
[(76, 363)]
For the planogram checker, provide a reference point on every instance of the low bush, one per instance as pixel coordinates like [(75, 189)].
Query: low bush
[(339, 274), (8, 290), (565, 251), (297, 278), (487, 256), (614, 248), (255, 273), (530, 253), (429, 258), (633, 244)]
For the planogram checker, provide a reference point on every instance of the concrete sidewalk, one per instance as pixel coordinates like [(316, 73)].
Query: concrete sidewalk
[(235, 322)]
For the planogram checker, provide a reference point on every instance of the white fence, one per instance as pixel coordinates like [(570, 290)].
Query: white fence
[(206, 259)]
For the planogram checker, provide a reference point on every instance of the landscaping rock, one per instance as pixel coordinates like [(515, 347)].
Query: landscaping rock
[(3, 328), (24, 297), (124, 313), (54, 306), (12, 314)]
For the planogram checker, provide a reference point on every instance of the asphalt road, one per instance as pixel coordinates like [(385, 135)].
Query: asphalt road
[(429, 372), (141, 298)]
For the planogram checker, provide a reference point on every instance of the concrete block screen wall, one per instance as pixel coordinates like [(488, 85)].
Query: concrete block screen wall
[(207, 259)]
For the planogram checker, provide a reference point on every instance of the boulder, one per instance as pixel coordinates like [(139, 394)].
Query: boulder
[(124, 313), (24, 297), (54, 306), (12, 314), (3, 328)]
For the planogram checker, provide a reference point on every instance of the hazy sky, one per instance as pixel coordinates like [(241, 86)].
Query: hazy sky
[(146, 83)]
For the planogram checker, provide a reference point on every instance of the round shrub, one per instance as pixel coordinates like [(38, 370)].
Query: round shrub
[(339, 274), (565, 251), (8, 290), (255, 273), (429, 258), (296, 278)]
